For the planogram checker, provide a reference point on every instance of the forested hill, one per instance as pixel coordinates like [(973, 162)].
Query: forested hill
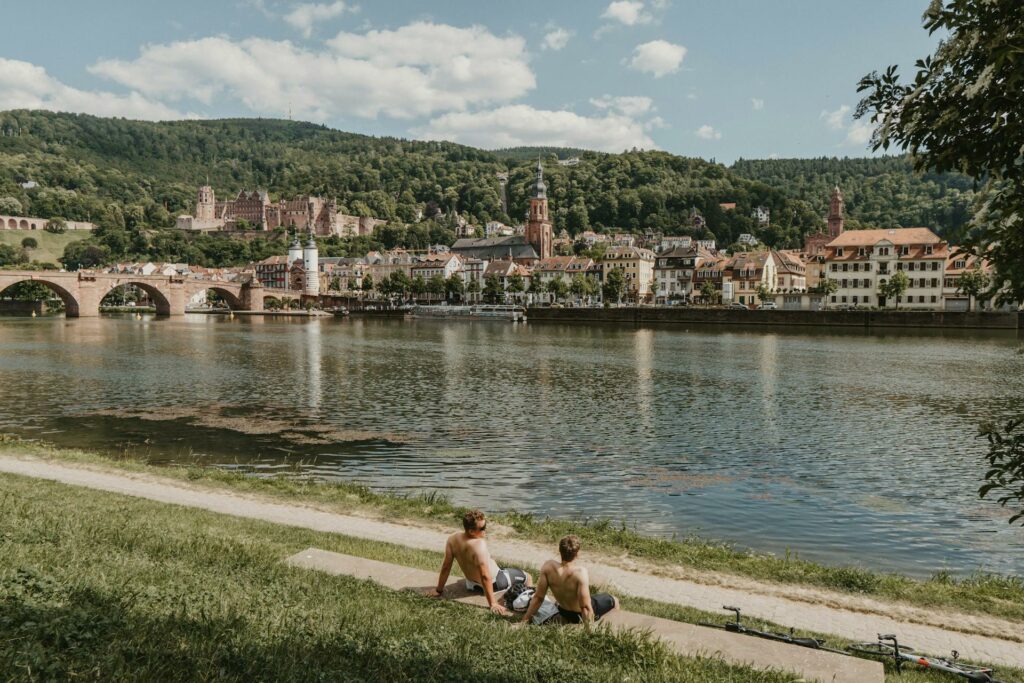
[(878, 192), (137, 175)]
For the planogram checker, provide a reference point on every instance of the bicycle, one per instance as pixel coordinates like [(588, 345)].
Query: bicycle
[(902, 653), (737, 626)]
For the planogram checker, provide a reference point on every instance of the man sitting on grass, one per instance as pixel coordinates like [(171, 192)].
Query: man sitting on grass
[(469, 549), (570, 585)]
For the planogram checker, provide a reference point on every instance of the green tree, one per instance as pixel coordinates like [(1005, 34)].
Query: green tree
[(764, 293), (367, 283), (895, 287), (352, 284), (972, 283), (85, 254), (473, 288), (10, 206), (827, 286), (454, 287), (29, 243), (959, 113), (56, 225), (708, 292), (1005, 477), (418, 286), (400, 283), (579, 286), (557, 287), (436, 285), (493, 292), (8, 255), (614, 286), (516, 285)]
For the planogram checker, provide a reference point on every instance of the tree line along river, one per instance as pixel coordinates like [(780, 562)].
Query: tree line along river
[(841, 446)]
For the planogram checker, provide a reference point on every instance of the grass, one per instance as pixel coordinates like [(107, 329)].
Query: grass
[(988, 594), (51, 245), (99, 586)]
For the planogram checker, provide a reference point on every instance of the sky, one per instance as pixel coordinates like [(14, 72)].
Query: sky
[(718, 79)]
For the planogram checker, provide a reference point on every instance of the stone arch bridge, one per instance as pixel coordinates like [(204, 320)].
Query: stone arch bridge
[(83, 291)]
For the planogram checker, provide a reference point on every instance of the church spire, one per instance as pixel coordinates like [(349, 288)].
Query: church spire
[(835, 213)]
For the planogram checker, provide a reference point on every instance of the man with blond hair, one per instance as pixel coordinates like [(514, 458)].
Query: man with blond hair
[(570, 584), (469, 549)]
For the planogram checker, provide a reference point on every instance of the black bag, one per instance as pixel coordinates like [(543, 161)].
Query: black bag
[(517, 588)]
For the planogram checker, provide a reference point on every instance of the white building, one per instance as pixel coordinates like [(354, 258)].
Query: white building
[(861, 261)]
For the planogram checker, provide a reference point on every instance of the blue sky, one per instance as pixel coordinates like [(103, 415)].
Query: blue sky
[(712, 78)]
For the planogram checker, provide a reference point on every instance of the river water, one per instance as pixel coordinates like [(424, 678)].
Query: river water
[(839, 446)]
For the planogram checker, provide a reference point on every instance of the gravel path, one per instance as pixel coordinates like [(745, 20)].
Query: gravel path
[(814, 609)]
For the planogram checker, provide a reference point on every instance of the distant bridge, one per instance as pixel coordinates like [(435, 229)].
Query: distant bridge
[(83, 291)]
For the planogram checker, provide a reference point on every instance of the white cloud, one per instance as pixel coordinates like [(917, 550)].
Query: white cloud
[(706, 132), (556, 39), (836, 120), (304, 16), (628, 105), (520, 124), (26, 86), (628, 12), (658, 57), (757, 103), (858, 132), (419, 69)]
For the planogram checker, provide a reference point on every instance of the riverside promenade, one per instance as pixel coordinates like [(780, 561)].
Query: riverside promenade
[(724, 316)]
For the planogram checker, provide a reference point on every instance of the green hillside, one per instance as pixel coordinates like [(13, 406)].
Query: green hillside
[(133, 177), (51, 246)]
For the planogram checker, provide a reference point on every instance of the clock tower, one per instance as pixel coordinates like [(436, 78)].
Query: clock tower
[(538, 224)]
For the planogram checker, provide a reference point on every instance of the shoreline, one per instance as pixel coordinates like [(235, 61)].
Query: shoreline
[(867, 320), (979, 593), (85, 497)]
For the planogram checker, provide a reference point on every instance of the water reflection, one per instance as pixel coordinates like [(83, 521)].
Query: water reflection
[(838, 444)]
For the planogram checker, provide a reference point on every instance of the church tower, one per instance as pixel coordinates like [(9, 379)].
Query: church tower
[(835, 214), (538, 225), (205, 203)]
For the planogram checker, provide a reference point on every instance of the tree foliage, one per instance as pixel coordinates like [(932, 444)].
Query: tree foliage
[(962, 111), (1005, 477)]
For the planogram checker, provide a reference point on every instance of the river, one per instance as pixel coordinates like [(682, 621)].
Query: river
[(844, 447)]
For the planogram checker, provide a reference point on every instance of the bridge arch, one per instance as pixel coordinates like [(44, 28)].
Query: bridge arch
[(160, 301), (233, 301), (71, 304)]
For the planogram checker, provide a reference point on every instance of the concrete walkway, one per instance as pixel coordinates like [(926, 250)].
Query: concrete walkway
[(685, 639), (820, 611)]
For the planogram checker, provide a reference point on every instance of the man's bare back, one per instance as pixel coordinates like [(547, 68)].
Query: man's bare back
[(472, 555), (570, 584), (469, 549)]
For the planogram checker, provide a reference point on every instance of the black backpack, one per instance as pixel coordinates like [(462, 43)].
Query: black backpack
[(517, 588)]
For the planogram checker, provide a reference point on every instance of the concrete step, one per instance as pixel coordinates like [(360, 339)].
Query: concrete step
[(685, 639)]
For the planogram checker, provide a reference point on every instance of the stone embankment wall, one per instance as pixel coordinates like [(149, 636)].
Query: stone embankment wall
[(863, 319)]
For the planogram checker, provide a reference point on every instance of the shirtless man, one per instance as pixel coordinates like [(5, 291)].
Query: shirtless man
[(469, 549), (570, 585)]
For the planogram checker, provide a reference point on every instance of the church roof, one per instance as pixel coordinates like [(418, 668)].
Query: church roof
[(493, 248)]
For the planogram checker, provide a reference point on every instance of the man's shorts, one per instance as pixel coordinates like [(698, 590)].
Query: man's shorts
[(602, 603), (502, 581)]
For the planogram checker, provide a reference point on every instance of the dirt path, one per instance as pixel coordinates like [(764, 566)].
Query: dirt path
[(814, 609)]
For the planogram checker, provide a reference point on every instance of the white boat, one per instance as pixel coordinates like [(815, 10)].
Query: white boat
[(509, 312)]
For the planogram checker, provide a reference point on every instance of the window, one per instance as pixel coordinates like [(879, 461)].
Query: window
[(833, 298), (860, 252), (935, 265), (959, 264), (928, 249), (835, 267), (846, 267), (899, 266), (935, 282), (904, 250), (844, 299), (845, 281), (839, 251), (856, 267), (867, 299), (867, 267), (933, 298), (855, 298)]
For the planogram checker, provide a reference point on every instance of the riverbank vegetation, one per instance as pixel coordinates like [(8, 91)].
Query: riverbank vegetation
[(994, 595), (105, 587)]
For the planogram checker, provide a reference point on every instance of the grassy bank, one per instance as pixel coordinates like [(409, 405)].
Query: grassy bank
[(994, 595), (51, 245), (105, 587)]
